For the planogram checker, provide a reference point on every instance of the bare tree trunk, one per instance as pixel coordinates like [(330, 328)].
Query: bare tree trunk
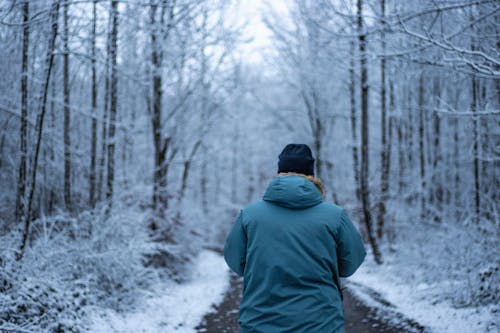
[(401, 154), (21, 187), (475, 133), (204, 186), (93, 143), (67, 111), (113, 89), (160, 143), (392, 106), (104, 121), (389, 150), (410, 131), (2, 138), (39, 130), (311, 104), (421, 145), (365, 194), (354, 116), (52, 126), (436, 177), (318, 133), (384, 154), (186, 167), (456, 162)]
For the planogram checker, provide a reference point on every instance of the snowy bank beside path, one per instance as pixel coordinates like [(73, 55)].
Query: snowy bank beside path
[(175, 307), (382, 287)]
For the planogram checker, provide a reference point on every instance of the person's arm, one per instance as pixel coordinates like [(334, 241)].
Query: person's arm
[(350, 251), (235, 246)]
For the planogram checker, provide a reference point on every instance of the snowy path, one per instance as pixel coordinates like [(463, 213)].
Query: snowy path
[(175, 308), (382, 287), (359, 317), (209, 302)]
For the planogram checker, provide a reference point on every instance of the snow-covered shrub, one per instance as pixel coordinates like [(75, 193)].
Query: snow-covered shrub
[(73, 263), (458, 259), (177, 241)]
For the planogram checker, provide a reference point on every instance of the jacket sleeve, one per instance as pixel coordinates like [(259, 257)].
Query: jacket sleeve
[(235, 246), (350, 249)]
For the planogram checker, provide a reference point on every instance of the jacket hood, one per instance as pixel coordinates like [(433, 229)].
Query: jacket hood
[(293, 192)]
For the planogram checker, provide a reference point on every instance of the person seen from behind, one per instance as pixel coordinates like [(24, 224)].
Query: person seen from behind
[(292, 248)]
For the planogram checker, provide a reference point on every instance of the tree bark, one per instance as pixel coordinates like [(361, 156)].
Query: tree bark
[(354, 116), (105, 113), (113, 90), (384, 154), (21, 187), (186, 167), (93, 134), (160, 143), (475, 133), (318, 135), (410, 131), (456, 162), (67, 111), (421, 134), (401, 153), (52, 125), (39, 130), (365, 195), (437, 185)]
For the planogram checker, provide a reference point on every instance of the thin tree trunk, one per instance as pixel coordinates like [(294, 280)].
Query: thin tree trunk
[(3, 135), (204, 186), (186, 167), (456, 162), (93, 143), (354, 129), (21, 187), (475, 133), (104, 128), (390, 115), (402, 135), (410, 131), (39, 130), (401, 154), (52, 126), (67, 111), (317, 148), (389, 150), (365, 195), (436, 162), (160, 143), (421, 145), (113, 89), (384, 154)]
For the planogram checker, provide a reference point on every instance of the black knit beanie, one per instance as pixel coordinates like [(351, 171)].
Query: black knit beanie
[(296, 158)]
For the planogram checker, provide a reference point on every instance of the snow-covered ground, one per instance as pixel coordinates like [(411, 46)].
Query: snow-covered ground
[(173, 307), (423, 303)]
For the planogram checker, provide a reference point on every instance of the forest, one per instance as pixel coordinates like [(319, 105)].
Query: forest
[(133, 131)]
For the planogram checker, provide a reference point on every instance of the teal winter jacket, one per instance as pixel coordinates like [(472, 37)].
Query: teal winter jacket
[(291, 249)]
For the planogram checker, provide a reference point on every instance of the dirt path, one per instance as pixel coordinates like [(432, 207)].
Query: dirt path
[(359, 318)]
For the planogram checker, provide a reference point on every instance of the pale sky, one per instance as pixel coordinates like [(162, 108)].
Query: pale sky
[(252, 11)]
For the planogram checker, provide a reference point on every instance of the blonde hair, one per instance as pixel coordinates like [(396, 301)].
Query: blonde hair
[(316, 181)]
